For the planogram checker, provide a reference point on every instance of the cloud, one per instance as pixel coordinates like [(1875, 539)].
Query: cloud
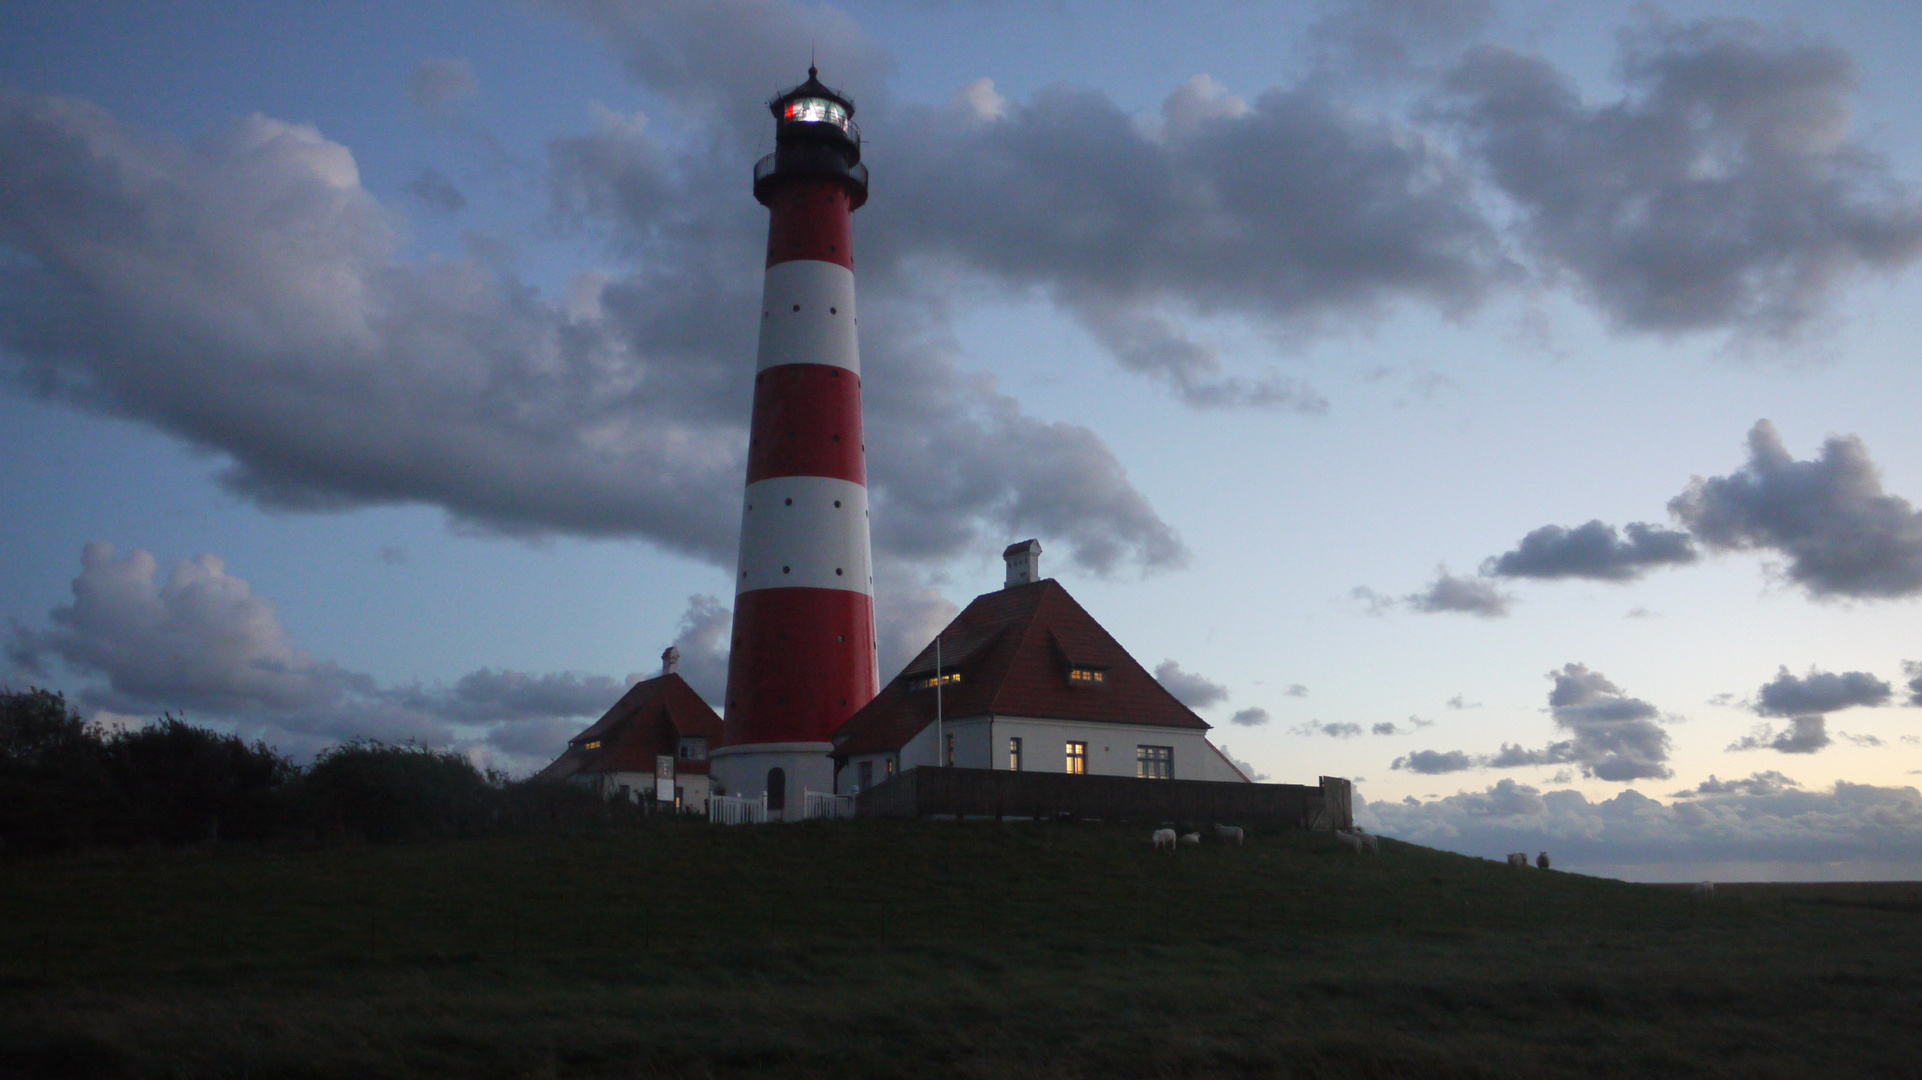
[(1252, 716), (702, 638), (1460, 702), (435, 86), (1383, 39), (1722, 191), (1189, 688), (393, 555), (1759, 829), (1339, 730), (1804, 735), (1448, 593), (1594, 551), (1613, 736), (1843, 537), (1386, 727), (247, 296), (1760, 783), (1434, 762), (199, 640), (1247, 770), (436, 191), (1819, 692), (1295, 690), (1913, 669)]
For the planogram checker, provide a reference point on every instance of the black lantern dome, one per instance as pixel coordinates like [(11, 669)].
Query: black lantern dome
[(814, 135)]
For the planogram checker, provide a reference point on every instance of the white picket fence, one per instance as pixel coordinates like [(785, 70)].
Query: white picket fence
[(737, 810), (817, 804)]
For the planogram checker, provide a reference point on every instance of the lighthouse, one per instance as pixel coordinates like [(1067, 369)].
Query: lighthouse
[(803, 653)]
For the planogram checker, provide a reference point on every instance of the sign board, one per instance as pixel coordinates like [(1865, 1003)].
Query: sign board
[(664, 778)]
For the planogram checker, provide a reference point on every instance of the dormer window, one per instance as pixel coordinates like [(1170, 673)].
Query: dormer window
[(694, 748), (595, 745), (1088, 676), (931, 681)]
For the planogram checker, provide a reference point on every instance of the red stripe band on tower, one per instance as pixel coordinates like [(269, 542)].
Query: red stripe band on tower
[(803, 661), (811, 220), (807, 422)]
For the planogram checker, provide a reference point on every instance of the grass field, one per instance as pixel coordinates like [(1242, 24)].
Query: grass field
[(876, 948)]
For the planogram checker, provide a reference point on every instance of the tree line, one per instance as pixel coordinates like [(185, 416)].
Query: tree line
[(67, 785)]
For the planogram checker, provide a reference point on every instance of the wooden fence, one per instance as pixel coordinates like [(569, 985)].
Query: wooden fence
[(994, 793)]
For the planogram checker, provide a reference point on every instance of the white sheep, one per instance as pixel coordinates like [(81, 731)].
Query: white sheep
[(1518, 858), (1164, 836), (1193, 838), (1351, 841), (1369, 841), (1705, 890), (1229, 832)]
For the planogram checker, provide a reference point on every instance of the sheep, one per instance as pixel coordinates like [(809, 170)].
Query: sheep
[(1164, 836), (1705, 890), (1191, 838), (1369, 841), (1542, 860), (1229, 832), (1518, 858), (1351, 841)]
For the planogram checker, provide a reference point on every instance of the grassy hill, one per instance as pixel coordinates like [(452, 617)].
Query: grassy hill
[(877, 948)]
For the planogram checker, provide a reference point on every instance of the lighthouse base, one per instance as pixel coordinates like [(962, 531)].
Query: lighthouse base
[(748, 770)]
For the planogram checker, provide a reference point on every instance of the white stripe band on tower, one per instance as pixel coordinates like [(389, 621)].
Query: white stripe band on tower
[(794, 535), (808, 316)]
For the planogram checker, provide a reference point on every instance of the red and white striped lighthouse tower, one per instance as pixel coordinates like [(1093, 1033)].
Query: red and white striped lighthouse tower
[(803, 656)]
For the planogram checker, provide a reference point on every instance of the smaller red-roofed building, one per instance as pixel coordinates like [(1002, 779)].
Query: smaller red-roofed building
[(1025, 679), (619, 753)]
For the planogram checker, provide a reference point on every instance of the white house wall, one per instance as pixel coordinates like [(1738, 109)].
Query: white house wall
[(982, 743)]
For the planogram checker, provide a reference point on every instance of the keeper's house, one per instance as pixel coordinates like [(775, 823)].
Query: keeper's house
[(620, 752), (1026, 680)]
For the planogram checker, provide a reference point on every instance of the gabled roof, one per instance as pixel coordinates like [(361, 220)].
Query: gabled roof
[(1013, 649), (651, 718)]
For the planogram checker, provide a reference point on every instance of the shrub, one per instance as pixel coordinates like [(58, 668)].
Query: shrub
[(371, 790)]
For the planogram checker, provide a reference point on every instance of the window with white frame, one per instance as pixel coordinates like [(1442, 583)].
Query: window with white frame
[(1077, 753), (1014, 755)]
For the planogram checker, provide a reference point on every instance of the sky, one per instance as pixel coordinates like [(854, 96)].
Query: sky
[(1508, 406)]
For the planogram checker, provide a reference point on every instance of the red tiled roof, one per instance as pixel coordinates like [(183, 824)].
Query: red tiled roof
[(1013, 649), (650, 719)]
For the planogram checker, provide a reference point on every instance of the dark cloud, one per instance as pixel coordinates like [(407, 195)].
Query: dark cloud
[(1295, 690), (437, 85), (1722, 191), (1758, 823), (1189, 688), (1819, 692), (1913, 669), (1616, 737), (1471, 596), (1334, 729), (434, 189), (200, 641), (1433, 762), (1803, 735), (1843, 537), (1252, 716), (1761, 783), (1132, 230), (1386, 727), (330, 375), (1594, 551), (1382, 39)]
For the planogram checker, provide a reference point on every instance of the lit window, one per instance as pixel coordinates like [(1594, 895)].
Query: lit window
[(1088, 675), (595, 745), (890, 765), (1155, 762), (1014, 755), (932, 681), (1077, 758)]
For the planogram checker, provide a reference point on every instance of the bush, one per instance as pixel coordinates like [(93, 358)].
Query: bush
[(370, 790), (54, 791), (178, 783)]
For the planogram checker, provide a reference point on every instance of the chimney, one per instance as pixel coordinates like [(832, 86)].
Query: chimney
[(1024, 563), (670, 660)]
